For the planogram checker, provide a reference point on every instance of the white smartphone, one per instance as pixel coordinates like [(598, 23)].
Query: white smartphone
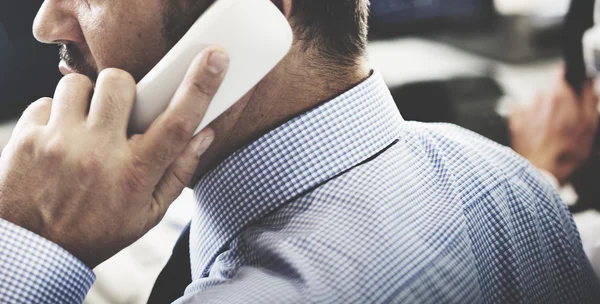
[(256, 36)]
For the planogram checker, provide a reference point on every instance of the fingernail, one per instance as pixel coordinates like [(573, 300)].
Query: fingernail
[(217, 62), (204, 144)]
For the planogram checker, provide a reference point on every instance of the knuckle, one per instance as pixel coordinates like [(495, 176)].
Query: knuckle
[(180, 128), (91, 164), (77, 79), (26, 142), (202, 88), (56, 150), (117, 89), (42, 103), (112, 75)]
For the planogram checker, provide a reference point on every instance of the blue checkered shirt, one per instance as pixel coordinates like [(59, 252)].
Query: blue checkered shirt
[(348, 203)]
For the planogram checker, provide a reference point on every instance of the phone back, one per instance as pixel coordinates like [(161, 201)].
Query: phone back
[(256, 36)]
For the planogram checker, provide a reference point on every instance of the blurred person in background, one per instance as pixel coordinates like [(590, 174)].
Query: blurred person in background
[(556, 131), (313, 190)]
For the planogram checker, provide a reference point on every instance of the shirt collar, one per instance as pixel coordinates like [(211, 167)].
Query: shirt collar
[(287, 162)]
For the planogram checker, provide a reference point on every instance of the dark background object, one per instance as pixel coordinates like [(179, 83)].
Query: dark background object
[(512, 39), (469, 102), (579, 19), (28, 69), (472, 25), (17, 16), (176, 275), (392, 18)]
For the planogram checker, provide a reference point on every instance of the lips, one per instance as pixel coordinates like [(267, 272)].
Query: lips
[(65, 69)]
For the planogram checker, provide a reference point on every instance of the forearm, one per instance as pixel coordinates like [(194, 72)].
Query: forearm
[(35, 270)]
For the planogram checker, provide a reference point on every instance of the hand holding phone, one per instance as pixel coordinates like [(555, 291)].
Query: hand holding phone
[(254, 33), (72, 175)]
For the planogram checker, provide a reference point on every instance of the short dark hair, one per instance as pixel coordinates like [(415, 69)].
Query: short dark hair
[(336, 28)]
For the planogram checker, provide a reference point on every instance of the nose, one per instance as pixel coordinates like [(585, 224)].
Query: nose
[(56, 22)]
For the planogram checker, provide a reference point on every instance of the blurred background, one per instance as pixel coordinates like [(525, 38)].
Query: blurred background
[(459, 61)]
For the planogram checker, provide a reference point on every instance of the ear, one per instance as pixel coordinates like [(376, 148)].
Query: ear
[(285, 6)]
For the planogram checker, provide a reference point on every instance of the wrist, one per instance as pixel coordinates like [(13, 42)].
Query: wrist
[(47, 271), (27, 221), (18, 217)]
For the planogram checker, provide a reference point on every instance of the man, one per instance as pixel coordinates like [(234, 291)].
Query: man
[(556, 131), (314, 189)]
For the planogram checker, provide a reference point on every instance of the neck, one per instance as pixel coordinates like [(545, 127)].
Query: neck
[(292, 88)]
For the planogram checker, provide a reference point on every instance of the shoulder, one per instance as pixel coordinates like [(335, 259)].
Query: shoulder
[(435, 209), (476, 164), (443, 184), (432, 160)]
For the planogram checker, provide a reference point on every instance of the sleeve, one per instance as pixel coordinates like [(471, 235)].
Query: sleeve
[(35, 270)]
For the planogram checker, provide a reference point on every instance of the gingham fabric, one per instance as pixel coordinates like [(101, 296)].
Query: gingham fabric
[(34, 270), (348, 203)]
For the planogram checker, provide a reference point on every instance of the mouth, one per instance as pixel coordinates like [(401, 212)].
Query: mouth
[(65, 69)]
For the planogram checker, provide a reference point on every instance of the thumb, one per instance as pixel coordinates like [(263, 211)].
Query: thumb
[(181, 172)]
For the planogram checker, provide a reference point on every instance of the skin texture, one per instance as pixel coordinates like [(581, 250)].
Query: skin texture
[(96, 29), (74, 177), (71, 174), (557, 130), (102, 30)]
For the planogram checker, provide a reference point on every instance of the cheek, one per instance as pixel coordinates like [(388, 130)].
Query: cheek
[(130, 41)]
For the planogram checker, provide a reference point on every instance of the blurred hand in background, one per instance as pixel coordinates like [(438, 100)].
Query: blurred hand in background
[(556, 131)]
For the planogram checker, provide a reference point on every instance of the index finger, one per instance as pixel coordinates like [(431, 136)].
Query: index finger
[(170, 133), (111, 105)]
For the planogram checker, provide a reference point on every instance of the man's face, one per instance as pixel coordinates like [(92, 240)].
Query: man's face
[(93, 35)]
